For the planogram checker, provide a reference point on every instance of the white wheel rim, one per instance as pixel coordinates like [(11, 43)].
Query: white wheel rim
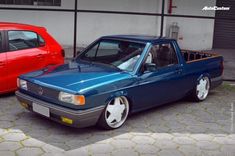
[(116, 112), (203, 88)]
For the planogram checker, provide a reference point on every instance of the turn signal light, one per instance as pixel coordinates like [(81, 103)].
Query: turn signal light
[(66, 120), (25, 105), (80, 99)]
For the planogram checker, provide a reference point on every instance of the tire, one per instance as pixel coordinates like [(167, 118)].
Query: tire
[(115, 113), (201, 90)]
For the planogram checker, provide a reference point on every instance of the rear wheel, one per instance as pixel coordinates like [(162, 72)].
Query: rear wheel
[(201, 91), (115, 113)]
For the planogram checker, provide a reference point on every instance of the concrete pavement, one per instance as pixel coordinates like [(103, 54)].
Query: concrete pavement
[(182, 128), (229, 62)]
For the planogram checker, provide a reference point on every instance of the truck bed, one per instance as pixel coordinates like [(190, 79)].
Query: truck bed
[(191, 56)]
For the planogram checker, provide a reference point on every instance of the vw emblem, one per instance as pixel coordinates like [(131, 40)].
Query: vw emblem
[(40, 91)]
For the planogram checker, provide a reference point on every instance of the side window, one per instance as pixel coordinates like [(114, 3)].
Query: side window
[(41, 41), (163, 55), (19, 40), (152, 56)]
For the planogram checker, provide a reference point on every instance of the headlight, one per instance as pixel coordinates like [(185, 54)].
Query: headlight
[(71, 98), (22, 84)]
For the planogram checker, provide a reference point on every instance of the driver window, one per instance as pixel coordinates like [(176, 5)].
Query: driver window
[(166, 55), (162, 55), (151, 58)]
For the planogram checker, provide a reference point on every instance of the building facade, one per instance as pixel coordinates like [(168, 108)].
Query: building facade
[(194, 33)]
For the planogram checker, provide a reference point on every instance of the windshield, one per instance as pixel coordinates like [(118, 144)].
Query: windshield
[(121, 54)]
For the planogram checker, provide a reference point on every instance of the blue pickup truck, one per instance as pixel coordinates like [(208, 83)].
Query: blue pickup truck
[(116, 76)]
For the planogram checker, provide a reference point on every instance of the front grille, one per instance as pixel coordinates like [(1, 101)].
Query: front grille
[(42, 91), (47, 94)]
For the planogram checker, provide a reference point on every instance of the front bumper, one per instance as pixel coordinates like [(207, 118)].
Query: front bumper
[(80, 118)]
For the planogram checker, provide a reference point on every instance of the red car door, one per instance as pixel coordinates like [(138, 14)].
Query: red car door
[(25, 54), (3, 69)]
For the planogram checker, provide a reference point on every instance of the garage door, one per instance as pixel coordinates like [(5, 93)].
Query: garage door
[(224, 32)]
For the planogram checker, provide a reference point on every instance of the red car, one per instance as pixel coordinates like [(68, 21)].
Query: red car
[(25, 48)]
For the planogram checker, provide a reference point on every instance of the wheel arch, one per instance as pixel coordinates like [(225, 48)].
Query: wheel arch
[(118, 94), (201, 76)]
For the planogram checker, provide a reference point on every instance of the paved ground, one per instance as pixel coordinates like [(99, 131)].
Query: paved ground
[(182, 128), (229, 62)]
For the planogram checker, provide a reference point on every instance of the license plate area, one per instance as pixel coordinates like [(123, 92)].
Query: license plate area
[(41, 110)]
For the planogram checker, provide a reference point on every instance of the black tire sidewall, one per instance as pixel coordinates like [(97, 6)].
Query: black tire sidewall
[(102, 123)]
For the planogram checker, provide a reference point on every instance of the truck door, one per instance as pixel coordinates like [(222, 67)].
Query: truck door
[(3, 69), (164, 83)]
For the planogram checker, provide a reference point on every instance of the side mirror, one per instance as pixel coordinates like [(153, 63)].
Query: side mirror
[(151, 67)]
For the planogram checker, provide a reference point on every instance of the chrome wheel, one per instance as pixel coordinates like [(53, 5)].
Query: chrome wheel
[(203, 88), (116, 112)]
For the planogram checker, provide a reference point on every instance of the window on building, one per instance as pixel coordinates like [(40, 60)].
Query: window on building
[(32, 2), (19, 40)]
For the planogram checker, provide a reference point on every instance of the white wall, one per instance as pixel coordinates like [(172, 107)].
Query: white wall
[(120, 5), (92, 26), (196, 34), (58, 24)]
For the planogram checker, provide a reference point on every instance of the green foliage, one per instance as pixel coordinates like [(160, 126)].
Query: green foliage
[(228, 87)]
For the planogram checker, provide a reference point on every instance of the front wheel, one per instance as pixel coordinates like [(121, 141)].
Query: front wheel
[(201, 91), (115, 113)]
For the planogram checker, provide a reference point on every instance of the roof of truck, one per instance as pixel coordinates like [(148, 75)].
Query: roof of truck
[(139, 38)]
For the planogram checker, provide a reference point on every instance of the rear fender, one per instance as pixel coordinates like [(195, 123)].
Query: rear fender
[(201, 76)]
